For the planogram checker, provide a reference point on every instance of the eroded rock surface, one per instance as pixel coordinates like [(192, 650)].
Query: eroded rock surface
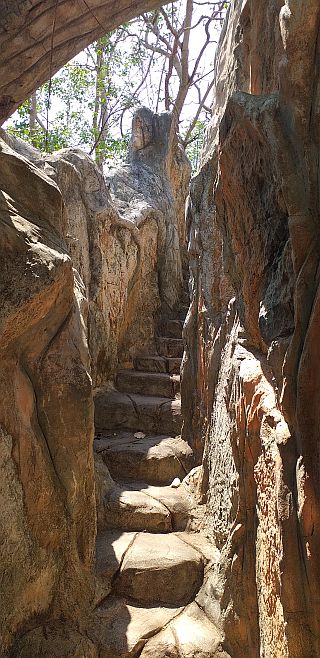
[(46, 415), (157, 177), (251, 365), (128, 246)]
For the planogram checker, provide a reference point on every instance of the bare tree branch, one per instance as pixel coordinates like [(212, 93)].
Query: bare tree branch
[(169, 24), (174, 47), (197, 114)]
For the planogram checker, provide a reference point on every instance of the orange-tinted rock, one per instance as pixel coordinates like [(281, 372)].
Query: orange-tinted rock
[(250, 375)]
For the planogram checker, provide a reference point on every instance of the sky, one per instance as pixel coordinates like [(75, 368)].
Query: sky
[(147, 94)]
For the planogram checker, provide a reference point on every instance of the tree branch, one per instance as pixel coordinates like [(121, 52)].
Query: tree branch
[(197, 114)]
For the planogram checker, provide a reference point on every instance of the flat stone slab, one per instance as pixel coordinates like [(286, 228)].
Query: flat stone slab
[(171, 328), (150, 363), (161, 384), (157, 364), (174, 364), (176, 500), (111, 546), (153, 459), (131, 509), (189, 635), (201, 543), (161, 570), (121, 630), (170, 347), (115, 410)]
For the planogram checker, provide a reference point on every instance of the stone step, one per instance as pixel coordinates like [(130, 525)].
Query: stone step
[(157, 363), (111, 546), (187, 635), (167, 571), (174, 364), (116, 410), (160, 384), (152, 459), (150, 364), (170, 347), (171, 328), (121, 629), (133, 510), (178, 501), (137, 506)]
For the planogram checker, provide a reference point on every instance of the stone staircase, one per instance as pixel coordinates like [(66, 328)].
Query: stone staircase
[(150, 562)]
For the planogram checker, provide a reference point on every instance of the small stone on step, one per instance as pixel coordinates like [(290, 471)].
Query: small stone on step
[(175, 483)]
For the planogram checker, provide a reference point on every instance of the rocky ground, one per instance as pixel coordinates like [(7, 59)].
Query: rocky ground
[(151, 556)]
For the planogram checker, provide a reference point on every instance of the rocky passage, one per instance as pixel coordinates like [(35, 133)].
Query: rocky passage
[(87, 267), (150, 559)]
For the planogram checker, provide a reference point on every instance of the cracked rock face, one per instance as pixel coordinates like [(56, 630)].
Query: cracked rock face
[(46, 410), (251, 366)]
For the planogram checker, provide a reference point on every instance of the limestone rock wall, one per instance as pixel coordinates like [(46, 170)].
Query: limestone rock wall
[(47, 525), (251, 364)]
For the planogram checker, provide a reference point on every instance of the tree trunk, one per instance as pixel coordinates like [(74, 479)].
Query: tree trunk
[(33, 118)]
